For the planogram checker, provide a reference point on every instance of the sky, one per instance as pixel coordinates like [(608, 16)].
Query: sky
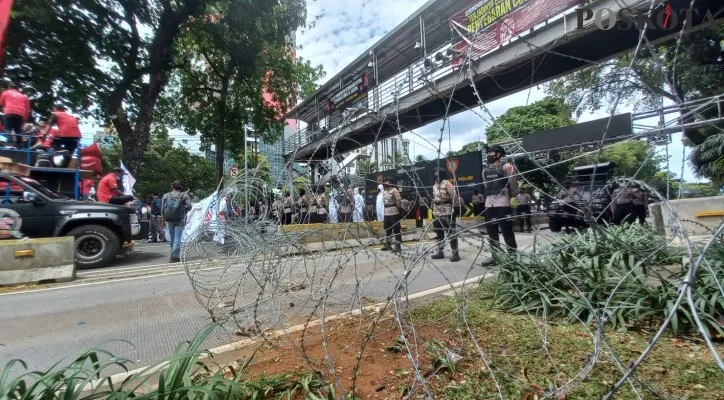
[(345, 30)]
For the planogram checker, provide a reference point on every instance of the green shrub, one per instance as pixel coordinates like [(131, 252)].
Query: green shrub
[(185, 377), (615, 274)]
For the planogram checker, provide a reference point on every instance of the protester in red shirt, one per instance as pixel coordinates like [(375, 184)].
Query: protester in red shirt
[(108, 190), (16, 107), (68, 135)]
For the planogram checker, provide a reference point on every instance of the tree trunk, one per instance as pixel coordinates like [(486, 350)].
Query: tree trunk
[(219, 158), (221, 131), (134, 138)]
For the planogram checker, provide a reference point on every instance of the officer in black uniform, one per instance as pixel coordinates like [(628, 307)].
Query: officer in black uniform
[(501, 184)]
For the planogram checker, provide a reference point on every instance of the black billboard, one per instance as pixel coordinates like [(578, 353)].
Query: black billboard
[(586, 132), (417, 180)]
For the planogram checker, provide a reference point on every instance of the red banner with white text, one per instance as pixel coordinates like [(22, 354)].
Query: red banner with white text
[(5, 7), (487, 24)]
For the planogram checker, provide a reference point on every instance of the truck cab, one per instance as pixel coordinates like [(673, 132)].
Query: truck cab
[(29, 209), (590, 181)]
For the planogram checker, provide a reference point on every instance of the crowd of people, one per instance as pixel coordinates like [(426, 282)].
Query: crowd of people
[(58, 132)]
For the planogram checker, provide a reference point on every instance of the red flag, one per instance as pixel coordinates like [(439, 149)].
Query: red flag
[(5, 6)]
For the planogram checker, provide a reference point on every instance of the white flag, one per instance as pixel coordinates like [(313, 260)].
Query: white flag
[(203, 212), (128, 181)]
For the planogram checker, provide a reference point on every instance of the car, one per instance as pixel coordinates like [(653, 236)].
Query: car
[(101, 231), (586, 182)]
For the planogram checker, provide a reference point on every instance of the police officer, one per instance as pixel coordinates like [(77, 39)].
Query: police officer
[(524, 200), (303, 205), (641, 203), (393, 203), (444, 200), (313, 207), (478, 203), (623, 207), (322, 206), (568, 195), (501, 184)]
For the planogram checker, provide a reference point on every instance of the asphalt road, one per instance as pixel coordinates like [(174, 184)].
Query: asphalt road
[(143, 307)]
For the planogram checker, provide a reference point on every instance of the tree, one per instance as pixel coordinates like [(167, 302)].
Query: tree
[(631, 157), (545, 114), (470, 147), (164, 163), (707, 159), (688, 71), (396, 159), (420, 158), (118, 53), (225, 70), (366, 166)]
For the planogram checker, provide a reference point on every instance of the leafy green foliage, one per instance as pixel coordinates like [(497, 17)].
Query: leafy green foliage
[(162, 164), (614, 273), (689, 73), (228, 63), (549, 113), (185, 376)]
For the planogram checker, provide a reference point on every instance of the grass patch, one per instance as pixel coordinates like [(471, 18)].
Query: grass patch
[(514, 345)]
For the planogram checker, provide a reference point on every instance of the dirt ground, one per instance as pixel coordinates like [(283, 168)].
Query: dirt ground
[(678, 367)]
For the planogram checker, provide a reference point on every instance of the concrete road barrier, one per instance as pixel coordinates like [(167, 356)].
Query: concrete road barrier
[(698, 216), (37, 260)]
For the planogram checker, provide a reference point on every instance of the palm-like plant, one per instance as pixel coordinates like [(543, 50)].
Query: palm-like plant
[(707, 159)]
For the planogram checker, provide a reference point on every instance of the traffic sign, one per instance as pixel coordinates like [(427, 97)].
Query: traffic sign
[(234, 172)]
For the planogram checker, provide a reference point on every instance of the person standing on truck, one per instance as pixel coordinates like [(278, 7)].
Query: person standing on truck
[(174, 206), (524, 200), (68, 134), (155, 224), (444, 199), (501, 184), (110, 192), (569, 196), (16, 107), (392, 202)]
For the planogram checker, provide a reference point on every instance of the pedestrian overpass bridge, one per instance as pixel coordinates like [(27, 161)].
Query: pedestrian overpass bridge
[(418, 72)]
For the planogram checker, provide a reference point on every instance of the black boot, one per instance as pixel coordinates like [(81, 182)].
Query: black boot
[(438, 256), (397, 248), (455, 257), (386, 247)]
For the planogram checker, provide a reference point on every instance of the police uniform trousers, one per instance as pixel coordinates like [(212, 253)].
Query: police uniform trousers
[(345, 217), (321, 218), (625, 213), (303, 217), (524, 215), (287, 218), (392, 228), (499, 219), (445, 226), (640, 211)]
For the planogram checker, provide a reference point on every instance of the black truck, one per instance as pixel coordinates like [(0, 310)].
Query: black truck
[(29, 209), (581, 179)]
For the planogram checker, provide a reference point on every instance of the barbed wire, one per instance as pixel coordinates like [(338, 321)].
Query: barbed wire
[(260, 276)]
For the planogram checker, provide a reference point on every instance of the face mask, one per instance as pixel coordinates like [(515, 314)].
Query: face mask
[(492, 159)]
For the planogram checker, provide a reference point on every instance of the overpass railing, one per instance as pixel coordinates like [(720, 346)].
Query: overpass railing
[(420, 74)]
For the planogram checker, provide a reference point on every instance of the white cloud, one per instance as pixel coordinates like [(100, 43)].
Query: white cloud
[(345, 30)]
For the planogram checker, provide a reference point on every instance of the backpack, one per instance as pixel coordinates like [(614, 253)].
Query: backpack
[(174, 209)]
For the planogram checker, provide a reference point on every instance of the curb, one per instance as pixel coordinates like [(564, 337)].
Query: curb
[(145, 371)]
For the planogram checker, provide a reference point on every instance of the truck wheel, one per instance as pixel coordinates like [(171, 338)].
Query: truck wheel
[(554, 224), (95, 246)]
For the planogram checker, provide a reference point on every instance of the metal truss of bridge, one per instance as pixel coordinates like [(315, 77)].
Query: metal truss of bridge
[(410, 78), (587, 136)]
